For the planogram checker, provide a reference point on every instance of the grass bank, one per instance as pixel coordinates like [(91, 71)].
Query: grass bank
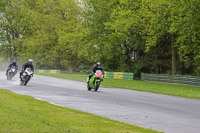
[(24, 114), (160, 88)]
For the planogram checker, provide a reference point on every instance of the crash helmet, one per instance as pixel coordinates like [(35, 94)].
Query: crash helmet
[(98, 63), (14, 62), (30, 61)]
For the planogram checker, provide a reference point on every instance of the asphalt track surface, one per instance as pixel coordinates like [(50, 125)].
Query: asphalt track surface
[(159, 112)]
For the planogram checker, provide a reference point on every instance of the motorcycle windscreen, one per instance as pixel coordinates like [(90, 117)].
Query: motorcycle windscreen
[(12, 69), (99, 74), (28, 71)]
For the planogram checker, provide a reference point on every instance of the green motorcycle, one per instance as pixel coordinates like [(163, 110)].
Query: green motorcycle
[(95, 81)]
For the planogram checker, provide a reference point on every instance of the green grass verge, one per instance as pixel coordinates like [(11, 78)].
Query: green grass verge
[(24, 114), (154, 87)]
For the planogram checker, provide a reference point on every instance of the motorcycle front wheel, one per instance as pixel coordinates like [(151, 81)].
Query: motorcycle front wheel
[(9, 76), (97, 86), (27, 79)]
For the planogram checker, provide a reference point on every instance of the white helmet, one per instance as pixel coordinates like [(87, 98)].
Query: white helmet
[(30, 61), (98, 63)]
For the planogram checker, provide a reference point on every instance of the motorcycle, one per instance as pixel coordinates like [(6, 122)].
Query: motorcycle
[(95, 81), (11, 73), (26, 76)]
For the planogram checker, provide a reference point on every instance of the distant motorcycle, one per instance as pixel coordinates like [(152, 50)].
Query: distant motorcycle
[(26, 76), (11, 73), (95, 81)]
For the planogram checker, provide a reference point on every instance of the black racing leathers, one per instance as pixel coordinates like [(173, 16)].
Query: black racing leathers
[(94, 69), (27, 65)]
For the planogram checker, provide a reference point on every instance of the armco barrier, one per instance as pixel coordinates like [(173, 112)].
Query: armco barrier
[(48, 71), (109, 75), (128, 75), (180, 79), (119, 75)]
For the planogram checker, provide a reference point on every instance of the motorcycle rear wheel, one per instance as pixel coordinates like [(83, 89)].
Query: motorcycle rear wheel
[(28, 78)]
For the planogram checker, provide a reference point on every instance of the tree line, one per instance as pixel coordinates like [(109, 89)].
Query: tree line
[(154, 36)]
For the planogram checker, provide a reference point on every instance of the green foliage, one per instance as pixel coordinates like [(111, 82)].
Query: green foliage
[(9, 27), (126, 26), (51, 33), (158, 36), (56, 34), (188, 41), (114, 31)]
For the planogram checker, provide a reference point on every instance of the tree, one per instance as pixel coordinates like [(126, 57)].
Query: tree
[(188, 40), (162, 28), (51, 32), (9, 27)]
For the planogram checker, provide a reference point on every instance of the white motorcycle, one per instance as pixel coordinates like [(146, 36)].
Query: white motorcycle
[(26, 76)]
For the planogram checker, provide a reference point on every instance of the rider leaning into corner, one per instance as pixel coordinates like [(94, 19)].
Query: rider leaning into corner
[(13, 64), (29, 64), (95, 68)]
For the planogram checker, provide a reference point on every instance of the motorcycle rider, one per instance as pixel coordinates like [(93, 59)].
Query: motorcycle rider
[(13, 64), (29, 64), (95, 68)]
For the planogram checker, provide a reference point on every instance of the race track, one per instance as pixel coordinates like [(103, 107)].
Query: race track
[(159, 112)]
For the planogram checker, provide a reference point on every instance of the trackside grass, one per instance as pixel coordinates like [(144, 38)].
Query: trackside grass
[(24, 114), (154, 87)]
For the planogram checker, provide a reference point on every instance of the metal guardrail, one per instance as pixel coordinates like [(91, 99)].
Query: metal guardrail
[(112, 75), (180, 79), (48, 71), (119, 75)]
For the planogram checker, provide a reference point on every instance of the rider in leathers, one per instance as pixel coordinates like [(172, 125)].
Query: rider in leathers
[(95, 68), (13, 64), (29, 64)]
